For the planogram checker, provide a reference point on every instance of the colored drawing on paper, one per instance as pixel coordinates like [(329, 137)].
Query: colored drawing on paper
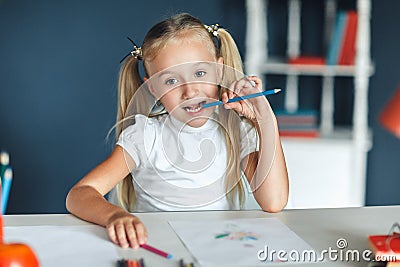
[(233, 232), (239, 235), (236, 242)]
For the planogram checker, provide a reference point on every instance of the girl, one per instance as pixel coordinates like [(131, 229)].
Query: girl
[(185, 157)]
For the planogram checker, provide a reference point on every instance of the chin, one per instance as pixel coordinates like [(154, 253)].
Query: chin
[(197, 122)]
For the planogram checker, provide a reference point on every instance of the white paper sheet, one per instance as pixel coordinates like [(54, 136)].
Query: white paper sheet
[(238, 242), (77, 246)]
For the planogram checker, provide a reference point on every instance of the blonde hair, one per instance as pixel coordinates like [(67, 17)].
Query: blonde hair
[(178, 26)]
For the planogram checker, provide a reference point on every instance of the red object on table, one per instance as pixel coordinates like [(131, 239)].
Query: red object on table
[(156, 251), (385, 246)]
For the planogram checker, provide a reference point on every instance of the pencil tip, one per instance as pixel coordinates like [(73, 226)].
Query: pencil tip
[(8, 173), (277, 90)]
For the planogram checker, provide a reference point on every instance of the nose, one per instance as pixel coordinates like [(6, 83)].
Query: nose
[(190, 91)]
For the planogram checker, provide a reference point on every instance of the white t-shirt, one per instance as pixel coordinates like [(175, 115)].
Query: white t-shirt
[(179, 167)]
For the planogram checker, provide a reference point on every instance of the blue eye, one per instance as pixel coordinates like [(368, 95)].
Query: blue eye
[(171, 81), (200, 73)]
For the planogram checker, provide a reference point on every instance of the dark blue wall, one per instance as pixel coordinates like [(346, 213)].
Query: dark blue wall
[(58, 83), (384, 160)]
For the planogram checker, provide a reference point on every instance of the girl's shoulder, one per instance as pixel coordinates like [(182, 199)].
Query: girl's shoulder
[(140, 122)]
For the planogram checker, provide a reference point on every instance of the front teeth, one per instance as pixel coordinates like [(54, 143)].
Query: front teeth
[(192, 110)]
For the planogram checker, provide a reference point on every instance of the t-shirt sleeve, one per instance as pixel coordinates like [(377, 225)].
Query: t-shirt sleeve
[(248, 138), (131, 139)]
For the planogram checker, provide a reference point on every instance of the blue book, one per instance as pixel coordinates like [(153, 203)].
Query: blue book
[(337, 37)]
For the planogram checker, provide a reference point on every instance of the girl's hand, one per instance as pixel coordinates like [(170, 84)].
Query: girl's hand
[(126, 230), (250, 108)]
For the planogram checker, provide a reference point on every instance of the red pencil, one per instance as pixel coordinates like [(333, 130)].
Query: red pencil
[(156, 251)]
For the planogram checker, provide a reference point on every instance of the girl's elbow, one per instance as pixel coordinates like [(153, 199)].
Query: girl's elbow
[(71, 199), (274, 206), (68, 200)]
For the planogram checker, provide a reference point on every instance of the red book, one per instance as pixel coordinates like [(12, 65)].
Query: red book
[(299, 133), (302, 120), (348, 48), (385, 247), (307, 60)]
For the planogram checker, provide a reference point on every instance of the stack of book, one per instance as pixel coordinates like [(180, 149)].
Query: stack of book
[(302, 123), (342, 44), (342, 48)]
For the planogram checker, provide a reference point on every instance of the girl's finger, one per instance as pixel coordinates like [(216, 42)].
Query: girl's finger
[(121, 235), (237, 106), (141, 232), (257, 81), (230, 94), (131, 235), (241, 84), (111, 234), (224, 97)]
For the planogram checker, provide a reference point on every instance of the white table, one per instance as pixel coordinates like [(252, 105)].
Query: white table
[(321, 228)]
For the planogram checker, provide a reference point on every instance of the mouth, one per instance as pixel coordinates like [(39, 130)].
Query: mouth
[(195, 108)]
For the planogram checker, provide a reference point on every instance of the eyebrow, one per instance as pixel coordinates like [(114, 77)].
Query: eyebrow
[(206, 63), (193, 65)]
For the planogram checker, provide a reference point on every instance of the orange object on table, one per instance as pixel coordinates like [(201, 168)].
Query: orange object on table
[(390, 116), (15, 254)]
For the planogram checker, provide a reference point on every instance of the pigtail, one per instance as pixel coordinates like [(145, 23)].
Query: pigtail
[(233, 67), (128, 85), (233, 183), (229, 51)]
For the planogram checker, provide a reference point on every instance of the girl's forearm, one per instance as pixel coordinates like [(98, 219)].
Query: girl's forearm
[(88, 204), (270, 182)]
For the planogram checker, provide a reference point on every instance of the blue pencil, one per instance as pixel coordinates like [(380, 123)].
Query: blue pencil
[(235, 99), (6, 186), (4, 161)]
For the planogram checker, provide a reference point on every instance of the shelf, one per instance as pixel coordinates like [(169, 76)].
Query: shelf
[(339, 133), (280, 67), (328, 170)]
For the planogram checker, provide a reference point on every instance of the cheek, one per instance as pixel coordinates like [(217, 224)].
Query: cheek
[(212, 91), (169, 100)]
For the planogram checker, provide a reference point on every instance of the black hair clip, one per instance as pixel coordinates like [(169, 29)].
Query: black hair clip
[(136, 52), (213, 29)]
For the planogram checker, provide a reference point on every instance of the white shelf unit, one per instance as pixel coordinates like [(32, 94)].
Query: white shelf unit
[(329, 171)]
